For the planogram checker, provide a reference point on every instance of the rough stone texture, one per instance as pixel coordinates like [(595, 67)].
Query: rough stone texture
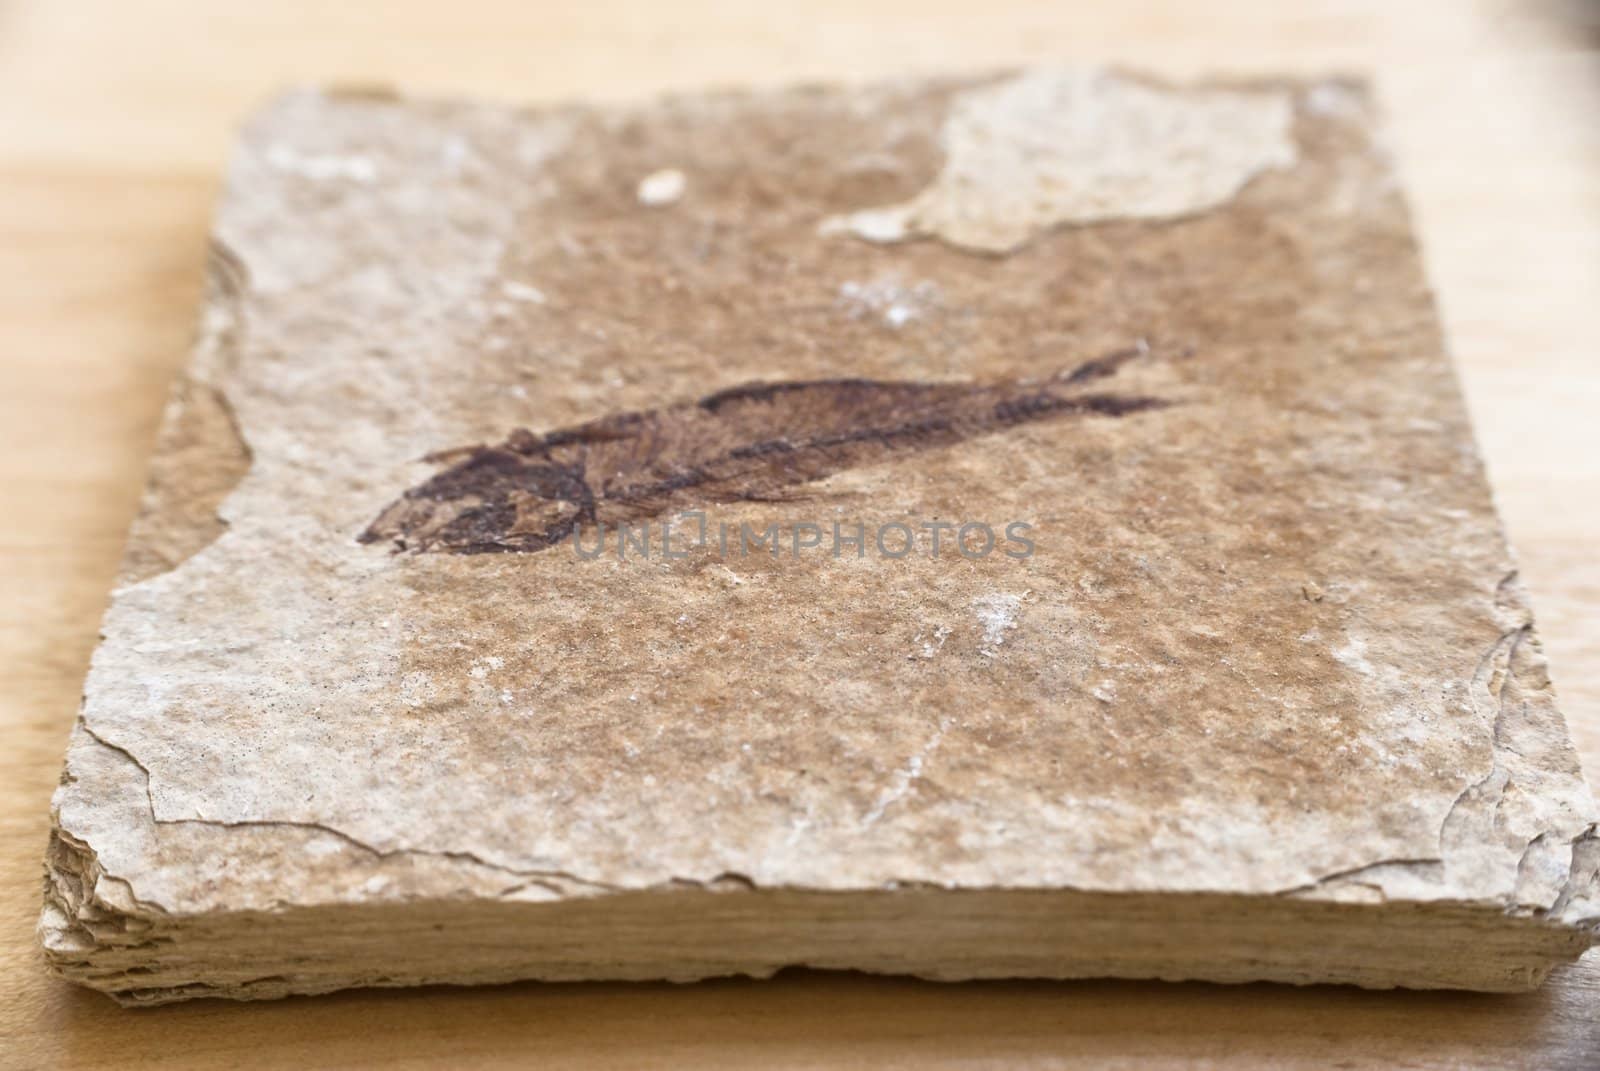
[(1265, 701)]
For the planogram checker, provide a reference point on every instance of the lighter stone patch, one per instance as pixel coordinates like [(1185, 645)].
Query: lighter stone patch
[(523, 292), (322, 167), (875, 225), (997, 613), (932, 646), (1333, 98), (887, 298), (728, 577), (906, 777), (416, 689), (1058, 146), (662, 187), (1354, 655)]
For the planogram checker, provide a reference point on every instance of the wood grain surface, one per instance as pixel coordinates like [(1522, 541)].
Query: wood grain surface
[(115, 119)]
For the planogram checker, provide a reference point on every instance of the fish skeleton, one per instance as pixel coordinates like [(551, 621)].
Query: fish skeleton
[(746, 443)]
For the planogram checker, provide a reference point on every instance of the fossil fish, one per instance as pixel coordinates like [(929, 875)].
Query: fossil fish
[(746, 443)]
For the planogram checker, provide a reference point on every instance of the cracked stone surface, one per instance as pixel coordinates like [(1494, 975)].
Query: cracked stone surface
[(1265, 700)]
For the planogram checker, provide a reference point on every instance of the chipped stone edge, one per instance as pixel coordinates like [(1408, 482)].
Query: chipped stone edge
[(215, 349), (1567, 842)]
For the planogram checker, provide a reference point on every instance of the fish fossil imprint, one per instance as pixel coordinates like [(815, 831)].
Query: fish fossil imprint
[(747, 443)]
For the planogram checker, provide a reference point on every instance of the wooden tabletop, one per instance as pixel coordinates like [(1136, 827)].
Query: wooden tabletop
[(114, 124)]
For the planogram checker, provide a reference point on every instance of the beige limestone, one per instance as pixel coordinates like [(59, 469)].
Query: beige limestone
[(1264, 702)]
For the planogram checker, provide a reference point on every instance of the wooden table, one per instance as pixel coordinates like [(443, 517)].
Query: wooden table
[(114, 123)]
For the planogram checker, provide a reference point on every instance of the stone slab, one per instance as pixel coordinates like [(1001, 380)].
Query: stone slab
[(745, 530)]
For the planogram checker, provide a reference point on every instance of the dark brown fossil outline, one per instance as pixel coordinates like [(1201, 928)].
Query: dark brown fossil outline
[(746, 443)]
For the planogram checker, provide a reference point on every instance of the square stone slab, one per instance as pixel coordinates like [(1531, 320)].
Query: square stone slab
[(1020, 525)]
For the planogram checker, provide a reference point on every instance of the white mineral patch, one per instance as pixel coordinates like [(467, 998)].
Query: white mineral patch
[(662, 187), (997, 613), (322, 167), (523, 292), (897, 304)]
